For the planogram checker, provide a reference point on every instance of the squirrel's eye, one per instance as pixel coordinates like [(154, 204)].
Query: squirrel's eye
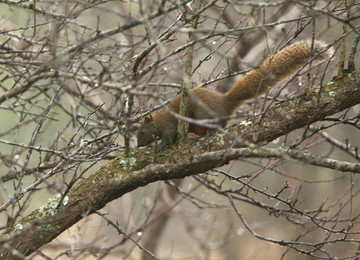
[(142, 132)]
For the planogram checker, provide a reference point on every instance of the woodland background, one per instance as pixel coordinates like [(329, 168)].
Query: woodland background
[(75, 79)]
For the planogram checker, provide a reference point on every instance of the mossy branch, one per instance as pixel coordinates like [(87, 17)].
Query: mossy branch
[(115, 179)]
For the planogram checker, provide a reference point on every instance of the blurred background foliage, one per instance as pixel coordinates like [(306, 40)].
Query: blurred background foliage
[(80, 56)]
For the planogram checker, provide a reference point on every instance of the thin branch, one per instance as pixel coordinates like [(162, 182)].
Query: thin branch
[(114, 180)]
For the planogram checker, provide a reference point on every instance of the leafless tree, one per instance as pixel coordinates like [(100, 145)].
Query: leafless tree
[(281, 182)]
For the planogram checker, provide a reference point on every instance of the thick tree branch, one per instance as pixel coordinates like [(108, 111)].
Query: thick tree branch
[(114, 180)]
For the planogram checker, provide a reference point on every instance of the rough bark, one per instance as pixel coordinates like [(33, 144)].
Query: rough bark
[(188, 158)]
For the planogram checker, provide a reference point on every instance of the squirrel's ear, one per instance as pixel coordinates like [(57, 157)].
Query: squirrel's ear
[(147, 119)]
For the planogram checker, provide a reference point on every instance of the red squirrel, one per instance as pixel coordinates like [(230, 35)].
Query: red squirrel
[(273, 70)]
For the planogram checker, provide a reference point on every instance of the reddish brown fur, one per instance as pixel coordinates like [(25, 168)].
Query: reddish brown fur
[(209, 104)]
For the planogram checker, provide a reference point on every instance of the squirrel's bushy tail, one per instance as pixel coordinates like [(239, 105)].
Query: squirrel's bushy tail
[(277, 68)]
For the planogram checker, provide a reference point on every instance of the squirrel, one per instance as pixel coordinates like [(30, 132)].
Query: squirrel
[(209, 104)]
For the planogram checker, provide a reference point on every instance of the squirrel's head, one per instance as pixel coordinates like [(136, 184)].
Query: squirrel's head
[(146, 132)]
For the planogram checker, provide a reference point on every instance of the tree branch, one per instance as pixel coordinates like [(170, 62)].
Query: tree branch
[(195, 156)]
